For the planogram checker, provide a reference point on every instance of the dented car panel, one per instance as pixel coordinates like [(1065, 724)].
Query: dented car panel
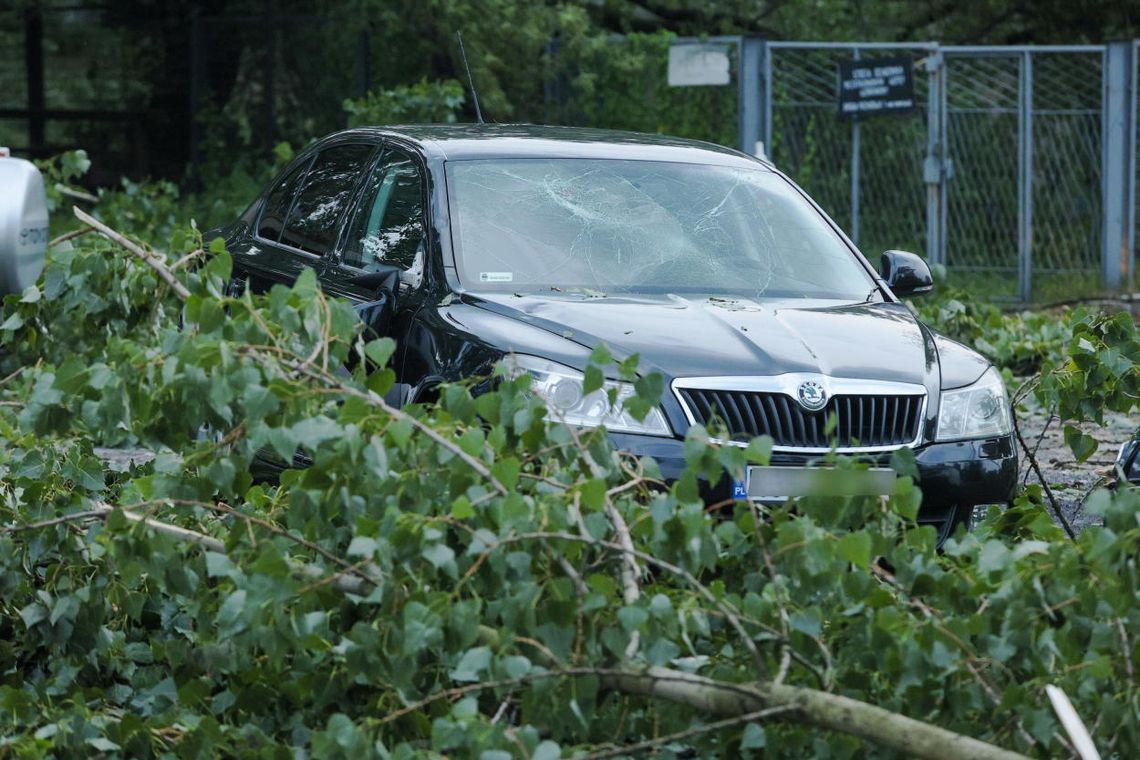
[(467, 244)]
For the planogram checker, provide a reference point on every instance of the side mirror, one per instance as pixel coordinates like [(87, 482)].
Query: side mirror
[(23, 224), (906, 273)]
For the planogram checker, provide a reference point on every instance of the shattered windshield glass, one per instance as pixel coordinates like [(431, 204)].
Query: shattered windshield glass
[(528, 225)]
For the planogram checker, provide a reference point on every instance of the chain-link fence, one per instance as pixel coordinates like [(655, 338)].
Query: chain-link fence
[(862, 172), (998, 174)]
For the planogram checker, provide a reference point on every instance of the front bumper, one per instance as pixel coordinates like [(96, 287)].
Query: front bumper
[(952, 476)]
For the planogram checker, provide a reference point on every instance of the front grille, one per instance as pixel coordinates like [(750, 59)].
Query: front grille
[(868, 421)]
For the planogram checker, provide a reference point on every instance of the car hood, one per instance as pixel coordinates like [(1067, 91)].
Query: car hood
[(707, 336)]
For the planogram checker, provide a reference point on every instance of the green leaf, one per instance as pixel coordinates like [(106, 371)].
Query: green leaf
[(379, 351), (632, 618), (1083, 446), (856, 549), (232, 608), (270, 562), (507, 472), (594, 379), (314, 431), (442, 557), (473, 663), (754, 737), (593, 493), (516, 666), (362, 546), (103, 744), (807, 621), (461, 508), (219, 565), (547, 750), (306, 285), (33, 613)]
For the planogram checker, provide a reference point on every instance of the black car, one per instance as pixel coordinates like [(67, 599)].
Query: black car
[(1128, 460), (470, 243)]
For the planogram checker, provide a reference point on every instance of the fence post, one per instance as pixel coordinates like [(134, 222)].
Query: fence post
[(1134, 138), (1118, 161), (751, 93), (933, 168), (1025, 178), (768, 98)]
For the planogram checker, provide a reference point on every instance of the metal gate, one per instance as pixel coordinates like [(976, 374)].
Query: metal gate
[(1000, 175)]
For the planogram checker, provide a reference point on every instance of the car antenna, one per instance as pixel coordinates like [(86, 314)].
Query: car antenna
[(470, 80)]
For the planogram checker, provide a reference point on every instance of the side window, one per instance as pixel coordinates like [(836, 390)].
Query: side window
[(388, 226), (278, 203), (315, 219)]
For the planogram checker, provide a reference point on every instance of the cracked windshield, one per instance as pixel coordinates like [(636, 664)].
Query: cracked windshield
[(602, 225)]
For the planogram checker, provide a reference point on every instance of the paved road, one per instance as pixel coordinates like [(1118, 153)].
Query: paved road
[(1070, 480)]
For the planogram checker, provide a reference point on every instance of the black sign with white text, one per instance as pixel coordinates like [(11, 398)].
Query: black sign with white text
[(875, 86)]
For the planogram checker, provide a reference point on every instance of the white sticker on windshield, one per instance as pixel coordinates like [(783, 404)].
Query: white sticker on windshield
[(496, 276)]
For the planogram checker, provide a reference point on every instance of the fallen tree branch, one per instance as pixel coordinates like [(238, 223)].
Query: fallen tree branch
[(79, 195), (374, 399), (1072, 722), (720, 698), (1041, 476), (892, 582), (69, 236), (152, 260), (89, 514), (369, 574), (884, 728), (186, 259), (648, 744), (649, 559), (356, 584), (739, 701)]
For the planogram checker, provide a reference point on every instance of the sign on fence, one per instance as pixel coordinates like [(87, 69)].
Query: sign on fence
[(692, 65), (871, 87)]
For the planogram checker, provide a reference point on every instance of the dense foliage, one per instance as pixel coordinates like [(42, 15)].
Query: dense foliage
[(468, 579), (1077, 364), (422, 103)]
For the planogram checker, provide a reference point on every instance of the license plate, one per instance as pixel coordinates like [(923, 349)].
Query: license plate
[(780, 483)]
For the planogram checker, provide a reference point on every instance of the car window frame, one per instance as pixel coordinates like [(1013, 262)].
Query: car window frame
[(331, 257), (302, 166), (386, 148)]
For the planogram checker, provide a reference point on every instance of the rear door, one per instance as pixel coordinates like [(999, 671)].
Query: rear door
[(302, 218)]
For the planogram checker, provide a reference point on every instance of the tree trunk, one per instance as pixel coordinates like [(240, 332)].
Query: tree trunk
[(818, 708)]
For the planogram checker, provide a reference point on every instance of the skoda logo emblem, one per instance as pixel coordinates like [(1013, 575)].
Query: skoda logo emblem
[(812, 396)]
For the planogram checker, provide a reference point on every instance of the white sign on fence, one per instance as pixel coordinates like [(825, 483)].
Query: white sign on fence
[(692, 65)]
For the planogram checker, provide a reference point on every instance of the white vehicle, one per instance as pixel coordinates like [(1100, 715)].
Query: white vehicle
[(23, 223)]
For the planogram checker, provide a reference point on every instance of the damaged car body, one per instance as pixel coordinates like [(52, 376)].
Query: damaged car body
[(468, 244)]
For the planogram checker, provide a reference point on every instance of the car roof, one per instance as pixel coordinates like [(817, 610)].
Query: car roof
[(458, 142)]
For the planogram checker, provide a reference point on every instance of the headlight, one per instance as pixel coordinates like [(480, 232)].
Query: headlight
[(980, 410), (561, 387)]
